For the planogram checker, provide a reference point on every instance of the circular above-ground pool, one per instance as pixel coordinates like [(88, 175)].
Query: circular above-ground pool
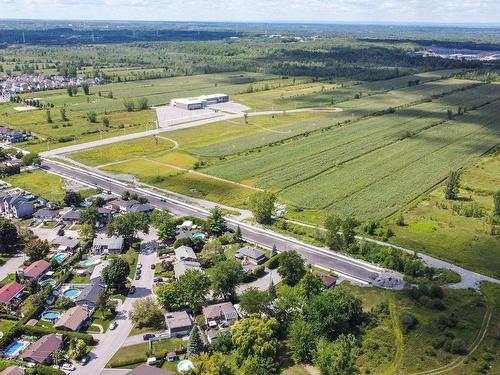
[(72, 293), (199, 235), (50, 316), (89, 262), (51, 282), (59, 257), (185, 365)]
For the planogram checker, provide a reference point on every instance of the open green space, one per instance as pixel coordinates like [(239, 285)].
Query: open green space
[(432, 226)]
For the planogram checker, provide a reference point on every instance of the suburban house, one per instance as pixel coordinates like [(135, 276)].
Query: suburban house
[(104, 215), (328, 280), (145, 208), (71, 217), (104, 196), (10, 294), (251, 255), (62, 243), (179, 323), (88, 297), (103, 244), (17, 206), (46, 214), (219, 313), (73, 319), (115, 204), (13, 370), (35, 270), (183, 233), (41, 351), (184, 253), (146, 369), (180, 268)]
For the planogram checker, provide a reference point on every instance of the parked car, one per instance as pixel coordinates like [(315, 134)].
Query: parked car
[(68, 366), (153, 266), (148, 336), (138, 276), (85, 360), (113, 325), (60, 232), (139, 266), (132, 290), (158, 279)]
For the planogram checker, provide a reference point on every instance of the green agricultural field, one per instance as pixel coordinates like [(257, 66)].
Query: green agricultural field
[(43, 184), (433, 227), (344, 169)]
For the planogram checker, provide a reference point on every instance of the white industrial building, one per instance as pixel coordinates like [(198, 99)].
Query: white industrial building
[(199, 102)]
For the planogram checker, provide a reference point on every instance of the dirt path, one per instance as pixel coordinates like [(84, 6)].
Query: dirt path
[(398, 337)]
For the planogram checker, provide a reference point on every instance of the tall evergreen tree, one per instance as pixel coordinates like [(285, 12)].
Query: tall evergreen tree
[(452, 185), (194, 345), (215, 222)]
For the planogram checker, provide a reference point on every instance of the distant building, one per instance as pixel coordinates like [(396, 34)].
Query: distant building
[(199, 102), (17, 206), (71, 217), (328, 280), (46, 214)]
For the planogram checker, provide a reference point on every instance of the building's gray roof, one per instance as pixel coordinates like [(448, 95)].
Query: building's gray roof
[(46, 213), (224, 310), (182, 267), (178, 319), (13, 370), (41, 350), (91, 292), (184, 252), (72, 215), (251, 252), (146, 207), (112, 243), (72, 319), (72, 243)]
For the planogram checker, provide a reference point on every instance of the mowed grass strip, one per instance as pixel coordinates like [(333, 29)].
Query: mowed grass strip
[(184, 182)]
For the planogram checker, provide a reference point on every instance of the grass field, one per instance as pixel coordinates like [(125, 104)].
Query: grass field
[(433, 227), (43, 184)]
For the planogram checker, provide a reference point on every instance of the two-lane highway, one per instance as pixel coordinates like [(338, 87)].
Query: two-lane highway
[(350, 268)]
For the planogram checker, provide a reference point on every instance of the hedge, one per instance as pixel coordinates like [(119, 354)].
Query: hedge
[(88, 339), (128, 361)]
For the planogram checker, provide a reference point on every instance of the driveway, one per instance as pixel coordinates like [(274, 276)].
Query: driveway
[(261, 283), (12, 265), (111, 341)]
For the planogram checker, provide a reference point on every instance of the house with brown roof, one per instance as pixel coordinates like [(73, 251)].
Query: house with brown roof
[(13, 370), (328, 280), (35, 270), (219, 313), (73, 319), (149, 370), (41, 351), (179, 323), (10, 293)]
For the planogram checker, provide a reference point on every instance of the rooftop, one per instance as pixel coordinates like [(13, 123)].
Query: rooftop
[(36, 269), (9, 291), (41, 350)]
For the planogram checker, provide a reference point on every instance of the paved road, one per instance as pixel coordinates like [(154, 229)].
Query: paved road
[(111, 341), (11, 266), (126, 137), (352, 269)]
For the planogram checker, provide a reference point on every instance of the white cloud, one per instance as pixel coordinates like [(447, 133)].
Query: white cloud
[(464, 11)]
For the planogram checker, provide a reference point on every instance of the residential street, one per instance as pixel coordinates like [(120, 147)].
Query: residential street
[(111, 341), (11, 265)]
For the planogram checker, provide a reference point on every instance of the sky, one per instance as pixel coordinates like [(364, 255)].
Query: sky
[(367, 11)]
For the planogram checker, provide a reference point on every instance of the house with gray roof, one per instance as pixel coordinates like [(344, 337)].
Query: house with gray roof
[(251, 255), (105, 245), (71, 217), (46, 214), (62, 243), (18, 207), (89, 295), (179, 323), (73, 319), (180, 268), (184, 253), (219, 313)]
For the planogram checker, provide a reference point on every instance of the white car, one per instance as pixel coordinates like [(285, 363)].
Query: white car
[(113, 325), (68, 367)]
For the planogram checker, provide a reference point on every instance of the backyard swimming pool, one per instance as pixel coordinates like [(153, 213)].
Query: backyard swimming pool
[(185, 365), (59, 257), (72, 293), (15, 348), (89, 262), (50, 316), (199, 235), (51, 282)]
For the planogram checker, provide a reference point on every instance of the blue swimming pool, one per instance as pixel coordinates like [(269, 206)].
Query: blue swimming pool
[(51, 282), (185, 365), (199, 235), (50, 316), (89, 262), (72, 292), (13, 349), (85, 204), (60, 257)]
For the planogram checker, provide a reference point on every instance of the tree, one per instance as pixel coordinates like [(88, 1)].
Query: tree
[(310, 285), (129, 224), (255, 365), (31, 159), (301, 340), (333, 312), (262, 206), (91, 117), (116, 273), (146, 313), (77, 348), (72, 198), (87, 232), (452, 185), (58, 356), (90, 216), (169, 296), (496, 203), (211, 364), (291, 267), (48, 116), (337, 358), (237, 235), (128, 104), (85, 88), (255, 336), (226, 276), (193, 286), (195, 345), (332, 226), (142, 103), (105, 121), (165, 225), (37, 249), (224, 343), (8, 235), (348, 233), (254, 301), (62, 111), (215, 222)]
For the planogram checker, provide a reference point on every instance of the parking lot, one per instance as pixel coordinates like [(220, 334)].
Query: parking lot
[(168, 115)]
